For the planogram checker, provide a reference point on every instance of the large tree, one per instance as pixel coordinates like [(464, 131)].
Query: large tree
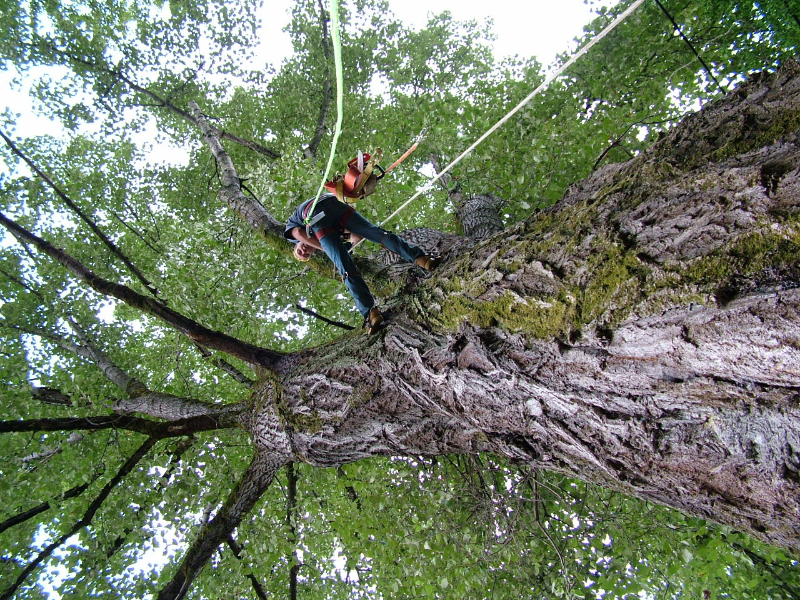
[(171, 380)]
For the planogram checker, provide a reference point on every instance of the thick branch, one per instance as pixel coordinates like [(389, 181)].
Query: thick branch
[(83, 216), (254, 482), (174, 408), (143, 400), (86, 520), (250, 209), (53, 396), (157, 429), (90, 352), (191, 329)]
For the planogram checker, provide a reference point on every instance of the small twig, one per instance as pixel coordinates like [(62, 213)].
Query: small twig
[(83, 216), (535, 488), (310, 312), (691, 46)]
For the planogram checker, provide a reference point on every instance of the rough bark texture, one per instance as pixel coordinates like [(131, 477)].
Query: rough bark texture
[(642, 334)]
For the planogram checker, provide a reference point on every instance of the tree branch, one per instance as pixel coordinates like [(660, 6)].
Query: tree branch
[(137, 233), (237, 552), (44, 506), (174, 461), (224, 365), (449, 184), (142, 399), (614, 144), (191, 329), (250, 209), (52, 396), (84, 217), (291, 518), (316, 315), (166, 103), (86, 520), (157, 429), (791, 591), (327, 89), (21, 283), (252, 485), (691, 47), (47, 453)]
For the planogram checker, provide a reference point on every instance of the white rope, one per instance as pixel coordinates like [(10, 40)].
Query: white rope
[(548, 80)]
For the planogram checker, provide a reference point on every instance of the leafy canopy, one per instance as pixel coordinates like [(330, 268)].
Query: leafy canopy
[(116, 79)]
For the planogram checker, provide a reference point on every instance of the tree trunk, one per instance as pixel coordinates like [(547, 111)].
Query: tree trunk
[(642, 334)]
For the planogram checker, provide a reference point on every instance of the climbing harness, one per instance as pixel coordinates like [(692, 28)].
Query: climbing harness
[(360, 180)]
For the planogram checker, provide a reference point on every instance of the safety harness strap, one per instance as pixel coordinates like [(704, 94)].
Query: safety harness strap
[(339, 226)]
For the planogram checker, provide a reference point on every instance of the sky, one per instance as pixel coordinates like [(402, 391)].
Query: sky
[(540, 28)]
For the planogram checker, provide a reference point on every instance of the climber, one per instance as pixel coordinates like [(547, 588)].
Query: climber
[(330, 222)]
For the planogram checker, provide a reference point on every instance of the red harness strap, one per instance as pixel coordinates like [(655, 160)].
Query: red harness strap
[(326, 230)]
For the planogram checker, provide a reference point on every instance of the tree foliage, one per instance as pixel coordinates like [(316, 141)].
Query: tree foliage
[(117, 79)]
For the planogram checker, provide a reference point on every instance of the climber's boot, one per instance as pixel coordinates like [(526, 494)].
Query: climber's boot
[(428, 261), (374, 320)]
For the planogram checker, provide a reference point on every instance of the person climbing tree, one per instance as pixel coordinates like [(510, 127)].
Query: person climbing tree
[(329, 223)]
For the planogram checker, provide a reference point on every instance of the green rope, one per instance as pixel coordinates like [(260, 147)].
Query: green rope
[(337, 60)]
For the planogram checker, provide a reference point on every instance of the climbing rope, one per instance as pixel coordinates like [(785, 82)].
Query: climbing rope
[(337, 61), (547, 81)]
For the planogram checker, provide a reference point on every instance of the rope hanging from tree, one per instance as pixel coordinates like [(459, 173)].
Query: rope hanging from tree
[(337, 53), (337, 61), (548, 80)]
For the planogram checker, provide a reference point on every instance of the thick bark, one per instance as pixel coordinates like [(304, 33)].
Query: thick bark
[(643, 334)]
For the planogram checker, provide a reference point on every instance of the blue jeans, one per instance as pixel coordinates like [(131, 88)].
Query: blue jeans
[(335, 250)]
